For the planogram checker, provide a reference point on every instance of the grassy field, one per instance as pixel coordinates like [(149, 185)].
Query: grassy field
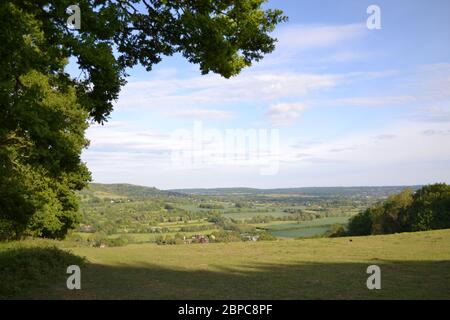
[(414, 265), (303, 229), (245, 214)]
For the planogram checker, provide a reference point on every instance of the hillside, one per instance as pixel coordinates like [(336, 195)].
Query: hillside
[(115, 191), (141, 214), (375, 191), (139, 192), (413, 266)]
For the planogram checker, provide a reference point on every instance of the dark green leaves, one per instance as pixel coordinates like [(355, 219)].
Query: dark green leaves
[(44, 112)]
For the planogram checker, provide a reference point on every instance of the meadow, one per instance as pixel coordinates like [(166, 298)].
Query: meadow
[(301, 229), (144, 243), (413, 266)]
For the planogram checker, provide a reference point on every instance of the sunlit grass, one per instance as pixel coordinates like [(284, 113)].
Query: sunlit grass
[(413, 265)]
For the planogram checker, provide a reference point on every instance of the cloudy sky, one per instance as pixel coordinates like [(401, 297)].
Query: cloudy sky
[(336, 104)]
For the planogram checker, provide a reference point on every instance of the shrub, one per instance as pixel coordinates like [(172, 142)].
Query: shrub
[(337, 230)]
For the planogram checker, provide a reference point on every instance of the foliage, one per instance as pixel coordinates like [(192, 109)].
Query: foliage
[(41, 138), (426, 209), (336, 230), (44, 111), (430, 209), (266, 236), (142, 211), (361, 224), (214, 206)]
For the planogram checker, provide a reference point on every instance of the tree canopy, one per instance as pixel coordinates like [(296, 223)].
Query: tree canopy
[(44, 111), (426, 209)]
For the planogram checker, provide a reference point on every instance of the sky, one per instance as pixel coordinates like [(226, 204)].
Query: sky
[(336, 104)]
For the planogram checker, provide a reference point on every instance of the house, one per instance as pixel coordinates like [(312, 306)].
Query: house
[(200, 238), (197, 238)]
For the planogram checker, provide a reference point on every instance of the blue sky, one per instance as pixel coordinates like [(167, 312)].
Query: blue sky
[(344, 106)]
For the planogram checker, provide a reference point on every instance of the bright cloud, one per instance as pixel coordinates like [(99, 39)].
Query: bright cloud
[(323, 75), (203, 114), (306, 37), (211, 90), (285, 114)]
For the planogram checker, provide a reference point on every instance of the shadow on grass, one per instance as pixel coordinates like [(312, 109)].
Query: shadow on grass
[(40, 273), (23, 270)]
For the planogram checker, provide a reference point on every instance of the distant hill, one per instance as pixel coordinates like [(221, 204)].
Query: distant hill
[(116, 191), (309, 191)]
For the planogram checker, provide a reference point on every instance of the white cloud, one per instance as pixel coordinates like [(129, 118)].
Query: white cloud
[(307, 37), (403, 142), (203, 114), (412, 151), (408, 152), (209, 90), (285, 114), (375, 101), (126, 139), (327, 43)]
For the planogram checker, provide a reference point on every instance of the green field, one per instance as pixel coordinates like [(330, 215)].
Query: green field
[(245, 214), (303, 229), (414, 265)]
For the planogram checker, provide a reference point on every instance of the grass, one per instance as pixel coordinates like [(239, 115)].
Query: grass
[(245, 214), (413, 266), (300, 232), (304, 229), (29, 266)]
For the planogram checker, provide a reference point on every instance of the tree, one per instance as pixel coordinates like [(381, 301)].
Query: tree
[(44, 111), (42, 135), (395, 217), (361, 224), (426, 209), (431, 208)]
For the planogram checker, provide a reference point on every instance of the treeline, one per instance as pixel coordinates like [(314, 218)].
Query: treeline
[(213, 206), (426, 209)]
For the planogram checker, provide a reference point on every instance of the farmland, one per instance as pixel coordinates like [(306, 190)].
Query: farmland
[(123, 214), (303, 229)]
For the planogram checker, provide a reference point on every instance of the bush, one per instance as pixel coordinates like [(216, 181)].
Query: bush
[(169, 207), (210, 206), (266, 236), (337, 230), (117, 242)]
